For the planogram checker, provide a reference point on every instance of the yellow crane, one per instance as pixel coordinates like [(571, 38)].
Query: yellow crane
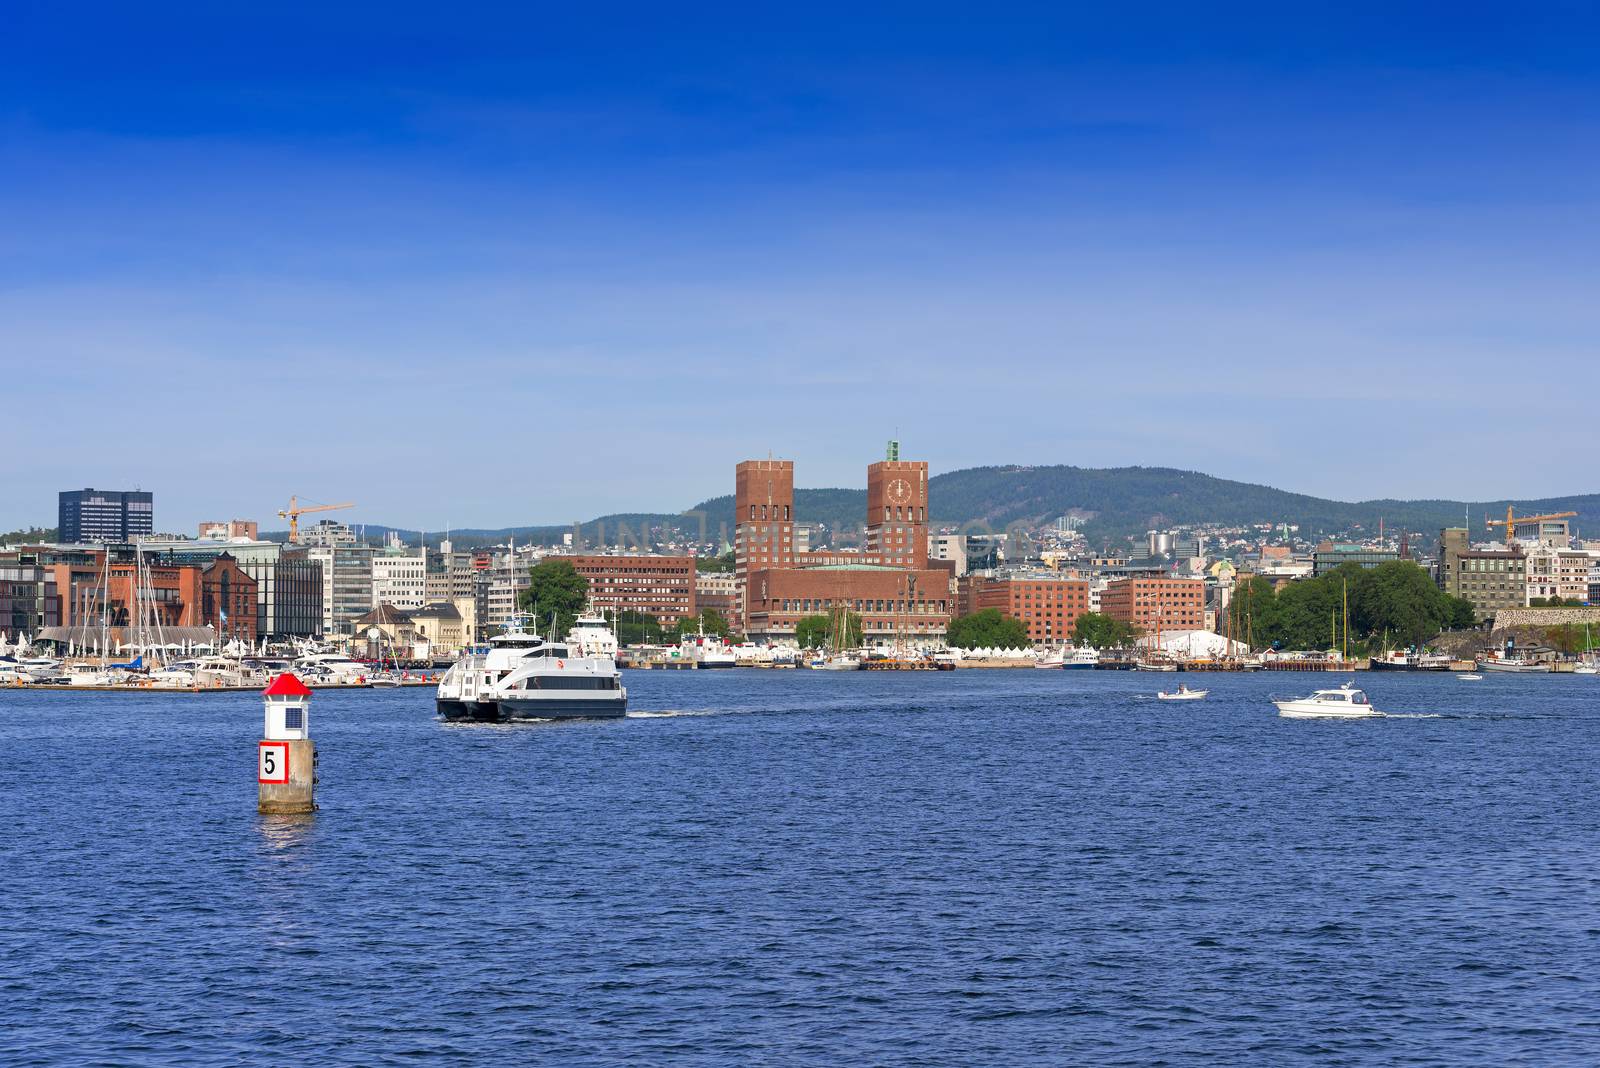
[(1512, 521), (294, 512)]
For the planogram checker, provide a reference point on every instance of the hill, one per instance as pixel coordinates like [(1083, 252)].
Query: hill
[(1113, 503)]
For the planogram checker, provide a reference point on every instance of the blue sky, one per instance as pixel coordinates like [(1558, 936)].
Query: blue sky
[(472, 266)]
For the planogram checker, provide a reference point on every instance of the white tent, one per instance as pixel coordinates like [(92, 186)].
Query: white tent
[(1195, 644)]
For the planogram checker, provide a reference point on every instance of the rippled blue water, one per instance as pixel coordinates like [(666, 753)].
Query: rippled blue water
[(819, 868)]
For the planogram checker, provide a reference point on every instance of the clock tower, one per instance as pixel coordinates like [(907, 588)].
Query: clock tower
[(897, 512)]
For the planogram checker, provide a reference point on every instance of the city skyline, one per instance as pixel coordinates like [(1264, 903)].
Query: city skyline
[(385, 258)]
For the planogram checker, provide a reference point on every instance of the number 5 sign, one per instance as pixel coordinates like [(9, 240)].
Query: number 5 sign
[(272, 762)]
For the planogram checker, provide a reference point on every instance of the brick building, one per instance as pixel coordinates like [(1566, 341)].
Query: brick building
[(218, 594), (717, 591), (890, 584), (658, 586), (1148, 602), (1049, 606)]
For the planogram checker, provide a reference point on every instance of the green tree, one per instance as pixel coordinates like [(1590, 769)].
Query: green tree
[(986, 629), (815, 632), (1099, 631), (710, 619), (639, 628), (723, 563), (554, 587)]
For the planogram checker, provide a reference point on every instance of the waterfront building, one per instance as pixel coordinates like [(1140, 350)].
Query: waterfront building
[(29, 601), (91, 515), (889, 583), (1491, 579), (1556, 572), (346, 586), (1330, 556), (662, 587), (134, 591), (289, 584), (383, 633), (399, 578), (1147, 601), (443, 627), (1048, 604)]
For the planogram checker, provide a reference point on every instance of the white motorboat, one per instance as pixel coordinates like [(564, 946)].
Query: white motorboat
[(1586, 669), (1469, 677), (341, 669), (837, 662), (1056, 660), (1346, 702), (1182, 693)]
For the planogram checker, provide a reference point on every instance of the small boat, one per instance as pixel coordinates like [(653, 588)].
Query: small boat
[(1182, 693), (1346, 702), (1586, 669), (838, 662), (1469, 677)]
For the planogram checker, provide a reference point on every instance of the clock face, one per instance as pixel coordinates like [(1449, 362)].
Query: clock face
[(899, 491)]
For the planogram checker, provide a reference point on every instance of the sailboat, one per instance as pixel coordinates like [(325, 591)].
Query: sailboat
[(839, 659)]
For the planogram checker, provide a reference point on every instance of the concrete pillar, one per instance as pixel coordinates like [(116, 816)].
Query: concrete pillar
[(294, 761)]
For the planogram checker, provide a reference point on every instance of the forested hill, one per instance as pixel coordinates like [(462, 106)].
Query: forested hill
[(1120, 501), (1114, 502)]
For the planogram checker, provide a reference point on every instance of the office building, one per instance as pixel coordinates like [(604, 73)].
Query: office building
[(1047, 604), (1149, 602), (91, 515), (662, 587)]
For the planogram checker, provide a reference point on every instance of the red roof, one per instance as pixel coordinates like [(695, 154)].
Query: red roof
[(286, 685)]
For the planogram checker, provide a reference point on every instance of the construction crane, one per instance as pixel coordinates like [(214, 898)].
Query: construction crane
[(294, 512), (1512, 521)]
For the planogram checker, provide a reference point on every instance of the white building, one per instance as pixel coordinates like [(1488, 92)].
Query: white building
[(400, 579), (1555, 572)]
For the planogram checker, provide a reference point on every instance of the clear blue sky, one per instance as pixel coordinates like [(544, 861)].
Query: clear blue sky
[(479, 266)]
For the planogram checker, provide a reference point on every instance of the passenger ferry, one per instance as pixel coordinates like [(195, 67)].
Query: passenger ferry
[(518, 675)]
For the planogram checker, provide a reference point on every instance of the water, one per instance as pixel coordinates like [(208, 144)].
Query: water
[(814, 868)]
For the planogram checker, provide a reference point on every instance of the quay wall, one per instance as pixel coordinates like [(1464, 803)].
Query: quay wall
[(1544, 617)]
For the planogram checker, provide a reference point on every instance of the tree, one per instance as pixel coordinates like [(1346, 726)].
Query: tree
[(708, 618), (1099, 631), (814, 632), (554, 587), (723, 563), (638, 628), (987, 629), (1395, 603)]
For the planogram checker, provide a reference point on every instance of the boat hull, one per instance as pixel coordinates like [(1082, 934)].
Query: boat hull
[(467, 711), (1515, 669), (1312, 710), (563, 708)]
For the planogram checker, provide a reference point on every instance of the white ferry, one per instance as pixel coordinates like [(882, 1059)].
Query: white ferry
[(518, 675)]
